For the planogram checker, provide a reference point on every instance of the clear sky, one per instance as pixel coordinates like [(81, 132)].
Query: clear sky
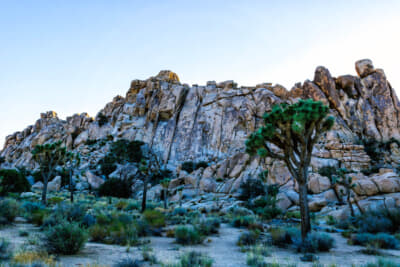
[(75, 56)]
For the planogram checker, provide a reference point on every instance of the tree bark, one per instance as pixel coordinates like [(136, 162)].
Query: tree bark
[(144, 195), (304, 211), (71, 190), (44, 191), (165, 198)]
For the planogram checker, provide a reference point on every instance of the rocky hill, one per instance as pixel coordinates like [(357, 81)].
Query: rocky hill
[(210, 123)]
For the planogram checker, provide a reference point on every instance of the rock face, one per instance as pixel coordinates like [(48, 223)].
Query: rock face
[(211, 123)]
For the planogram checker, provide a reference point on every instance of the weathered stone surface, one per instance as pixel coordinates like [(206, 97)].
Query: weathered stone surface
[(54, 185), (318, 183), (211, 123), (94, 181)]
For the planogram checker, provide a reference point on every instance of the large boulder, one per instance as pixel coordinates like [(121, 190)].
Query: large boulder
[(54, 185)]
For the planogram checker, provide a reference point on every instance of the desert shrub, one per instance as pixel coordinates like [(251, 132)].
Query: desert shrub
[(38, 217), (113, 187), (208, 226), (128, 262), (101, 119), (282, 237), (381, 240), (5, 249), (154, 218), (315, 242), (65, 238), (33, 259), (190, 166), (243, 221), (187, 235), (387, 221), (121, 205), (148, 255), (382, 263), (98, 233), (13, 181), (256, 260), (9, 209), (251, 188), (127, 151), (328, 171), (89, 220), (108, 164), (248, 238), (122, 235), (65, 212), (179, 211), (195, 259)]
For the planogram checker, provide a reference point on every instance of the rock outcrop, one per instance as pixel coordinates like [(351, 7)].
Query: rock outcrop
[(211, 123)]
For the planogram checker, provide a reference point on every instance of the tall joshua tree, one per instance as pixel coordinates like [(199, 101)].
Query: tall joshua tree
[(289, 134), (48, 156)]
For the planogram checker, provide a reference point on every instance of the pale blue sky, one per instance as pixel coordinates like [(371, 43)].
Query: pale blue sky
[(75, 56)]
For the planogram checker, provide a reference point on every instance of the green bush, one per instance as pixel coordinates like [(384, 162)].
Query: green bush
[(5, 249), (379, 221), (315, 242), (282, 237), (251, 188), (13, 181), (190, 166), (381, 240), (120, 188), (9, 209), (154, 218), (108, 164), (382, 263), (195, 259), (102, 119), (188, 235), (128, 262), (243, 221), (208, 226), (248, 238), (65, 238)]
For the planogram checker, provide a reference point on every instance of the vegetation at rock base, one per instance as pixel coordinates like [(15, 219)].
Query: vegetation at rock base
[(13, 181), (114, 187), (294, 129)]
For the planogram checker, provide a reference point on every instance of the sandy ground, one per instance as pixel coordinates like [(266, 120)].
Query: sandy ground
[(222, 248)]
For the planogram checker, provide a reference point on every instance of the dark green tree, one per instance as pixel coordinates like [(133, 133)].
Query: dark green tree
[(48, 156), (289, 134)]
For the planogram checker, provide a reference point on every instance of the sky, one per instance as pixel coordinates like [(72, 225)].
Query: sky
[(75, 56)]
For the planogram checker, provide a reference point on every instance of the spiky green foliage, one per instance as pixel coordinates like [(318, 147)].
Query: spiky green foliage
[(293, 130), (48, 156)]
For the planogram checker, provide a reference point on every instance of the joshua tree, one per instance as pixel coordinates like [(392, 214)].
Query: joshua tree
[(72, 161), (289, 134), (180, 191), (144, 171), (165, 184), (341, 178), (48, 156)]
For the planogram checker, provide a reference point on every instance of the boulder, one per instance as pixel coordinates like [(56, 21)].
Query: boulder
[(364, 67), (54, 185), (94, 181), (208, 185), (318, 183)]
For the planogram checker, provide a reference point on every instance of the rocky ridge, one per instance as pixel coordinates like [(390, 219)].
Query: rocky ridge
[(210, 123)]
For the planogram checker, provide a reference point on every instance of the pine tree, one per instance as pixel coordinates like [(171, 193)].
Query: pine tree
[(289, 134)]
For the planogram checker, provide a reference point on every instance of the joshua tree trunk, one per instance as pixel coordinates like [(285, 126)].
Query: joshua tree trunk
[(180, 198), (144, 194), (349, 201), (71, 190), (165, 198), (304, 211), (44, 191)]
